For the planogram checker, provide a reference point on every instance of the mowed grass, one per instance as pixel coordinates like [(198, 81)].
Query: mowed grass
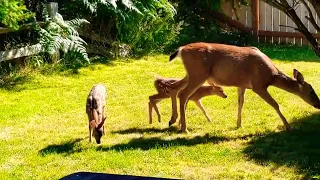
[(44, 128)]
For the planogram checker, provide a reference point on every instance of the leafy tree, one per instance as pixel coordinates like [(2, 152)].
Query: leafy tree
[(13, 13)]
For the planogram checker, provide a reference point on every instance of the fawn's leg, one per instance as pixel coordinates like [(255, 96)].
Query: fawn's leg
[(153, 100), (103, 118), (264, 94), (90, 128), (241, 92), (175, 88), (199, 104), (194, 83)]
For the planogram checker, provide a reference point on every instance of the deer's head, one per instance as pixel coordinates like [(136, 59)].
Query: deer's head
[(216, 90), (97, 130), (306, 92)]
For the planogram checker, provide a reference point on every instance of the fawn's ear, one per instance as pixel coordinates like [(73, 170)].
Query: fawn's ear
[(298, 76), (101, 124), (93, 124)]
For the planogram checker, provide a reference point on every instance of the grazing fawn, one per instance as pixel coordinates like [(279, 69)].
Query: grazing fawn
[(242, 67), (95, 108), (163, 88)]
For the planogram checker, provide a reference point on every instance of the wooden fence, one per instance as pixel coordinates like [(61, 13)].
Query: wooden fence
[(28, 50), (270, 24)]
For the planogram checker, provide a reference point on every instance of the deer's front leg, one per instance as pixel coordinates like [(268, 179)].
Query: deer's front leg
[(90, 128), (90, 133), (200, 106), (264, 94), (241, 92), (103, 118)]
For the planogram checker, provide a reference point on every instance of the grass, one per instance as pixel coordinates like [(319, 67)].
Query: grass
[(44, 131)]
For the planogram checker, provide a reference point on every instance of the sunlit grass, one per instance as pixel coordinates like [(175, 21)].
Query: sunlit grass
[(44, 131)]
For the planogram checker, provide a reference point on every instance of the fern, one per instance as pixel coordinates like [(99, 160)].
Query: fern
[(92, 5), (63, 35)]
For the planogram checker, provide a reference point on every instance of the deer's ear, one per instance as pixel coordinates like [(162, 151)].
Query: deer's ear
[(93, 124), (101, 124), (298, 76)]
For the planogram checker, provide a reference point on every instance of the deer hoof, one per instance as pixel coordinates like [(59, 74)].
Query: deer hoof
[(288, 128), (184, 131), (239, 127)]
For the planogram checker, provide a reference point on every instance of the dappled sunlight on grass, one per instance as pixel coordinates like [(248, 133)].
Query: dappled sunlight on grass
[(45, 129)]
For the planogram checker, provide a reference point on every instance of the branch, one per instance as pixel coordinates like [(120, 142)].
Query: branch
[(276, 4), (289, 27), (310, 18)]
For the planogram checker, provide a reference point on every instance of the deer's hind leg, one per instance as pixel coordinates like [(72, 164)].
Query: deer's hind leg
[(175, 89), (195, 81)]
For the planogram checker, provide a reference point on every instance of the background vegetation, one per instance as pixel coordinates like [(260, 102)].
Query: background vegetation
[(44, 127)]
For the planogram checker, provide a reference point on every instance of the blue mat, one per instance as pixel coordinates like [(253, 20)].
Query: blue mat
[(98, 176)]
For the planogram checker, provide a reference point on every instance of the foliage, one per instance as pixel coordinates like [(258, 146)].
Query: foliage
[(63, 35), (93, 5), (144, 25), (151, 32), (199, 25), (14, 12)]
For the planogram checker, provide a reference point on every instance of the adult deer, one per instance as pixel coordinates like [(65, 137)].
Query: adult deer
[(163, 87), (242, 67)]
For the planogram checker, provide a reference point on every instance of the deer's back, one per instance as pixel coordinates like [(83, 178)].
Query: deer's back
[(96, 98), (230, 65), (163, 85)]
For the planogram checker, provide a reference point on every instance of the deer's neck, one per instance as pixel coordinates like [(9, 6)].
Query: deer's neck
[(205, 91), (286, 83)]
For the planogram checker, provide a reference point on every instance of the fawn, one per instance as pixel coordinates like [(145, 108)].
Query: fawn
[(163, 87), (95, 106), (233, 66)]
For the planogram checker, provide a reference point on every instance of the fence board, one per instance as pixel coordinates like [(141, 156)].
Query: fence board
[(312, 28), (289, 29), (269, 21), (262, 22), (249, 16), (276, 23), (243, 15), (283, 21), (298, 41), (21, 52)]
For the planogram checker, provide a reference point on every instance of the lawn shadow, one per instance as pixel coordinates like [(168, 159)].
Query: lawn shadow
[(171, 129), (299, 148), (157, 142), (67, 147), (11, 83)]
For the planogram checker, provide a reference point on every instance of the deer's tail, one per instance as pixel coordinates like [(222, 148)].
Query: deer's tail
[(175, 54)]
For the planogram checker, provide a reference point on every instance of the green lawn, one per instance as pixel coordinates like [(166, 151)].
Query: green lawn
[(44, 132)]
